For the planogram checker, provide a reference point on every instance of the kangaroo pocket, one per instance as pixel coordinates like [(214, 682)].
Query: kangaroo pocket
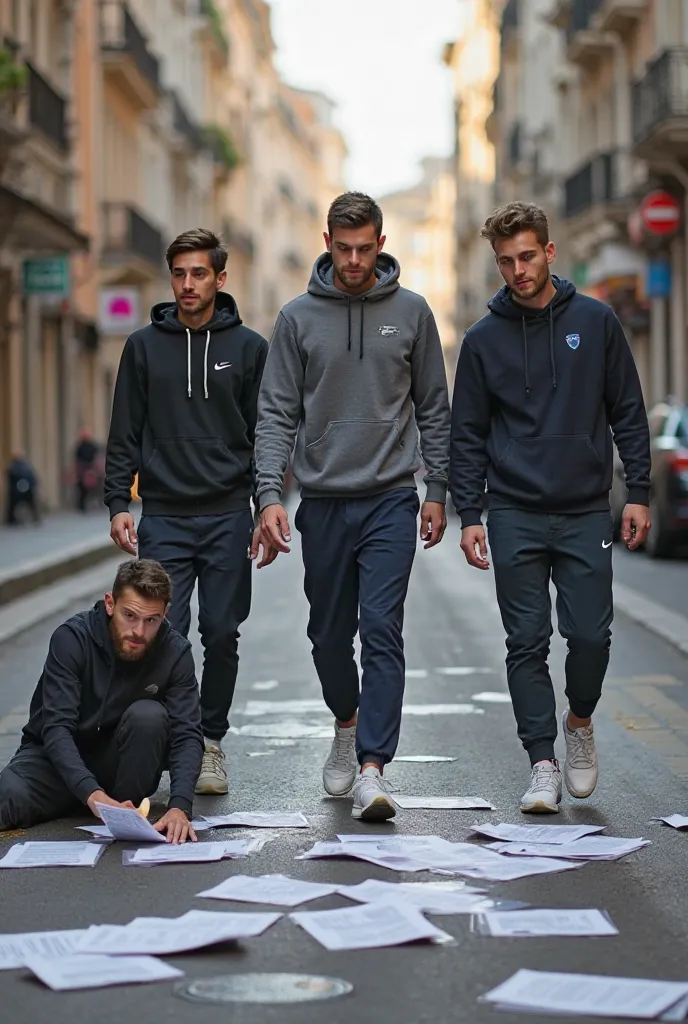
[(557, 470), (190, 467), (356, 455)]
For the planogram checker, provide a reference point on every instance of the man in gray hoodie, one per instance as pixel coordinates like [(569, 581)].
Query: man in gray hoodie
[(354, 373)]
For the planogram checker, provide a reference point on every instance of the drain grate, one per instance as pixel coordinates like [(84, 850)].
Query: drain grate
[(262, 988)]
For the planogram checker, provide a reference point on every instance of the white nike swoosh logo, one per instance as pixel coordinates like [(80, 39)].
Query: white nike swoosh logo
[(222, 366), (608, 545)]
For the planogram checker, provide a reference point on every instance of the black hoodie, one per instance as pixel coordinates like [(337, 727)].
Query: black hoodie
[(184, 415), (535, 396), (84, 690)]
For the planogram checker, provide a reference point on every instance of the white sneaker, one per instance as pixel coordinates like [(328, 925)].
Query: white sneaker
[(371, 800), (339, 771), (212, 780), (580, 767), (543, 795)]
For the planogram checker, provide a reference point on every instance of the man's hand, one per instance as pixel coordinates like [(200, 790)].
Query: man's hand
[(123, 532), (635, 525), (101, 797), (473, 537), (274, 523), (270, 553), (177, 826), (433, 523)]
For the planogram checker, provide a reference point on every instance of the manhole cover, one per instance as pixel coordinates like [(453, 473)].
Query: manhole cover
[(262, 988)]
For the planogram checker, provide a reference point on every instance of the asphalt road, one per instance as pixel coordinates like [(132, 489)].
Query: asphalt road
[(452, 621)]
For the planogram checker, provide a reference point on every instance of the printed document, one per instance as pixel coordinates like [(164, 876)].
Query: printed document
[(15, 948), (536, 833), (176, 936), (276, 890), (72, 972), (589, 848), (50, 855), (368, 927), (545, 922), (257, 819), (442, 803), (127, 824)]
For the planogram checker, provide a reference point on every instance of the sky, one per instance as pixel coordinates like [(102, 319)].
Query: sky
[(381, 61)]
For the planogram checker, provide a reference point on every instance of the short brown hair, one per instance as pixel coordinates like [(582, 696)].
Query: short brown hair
[(146, 577), (511, 219), (354, 210), (199, 240)]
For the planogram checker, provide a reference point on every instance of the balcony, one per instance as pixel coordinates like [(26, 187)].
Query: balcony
[(599, 183), (47, 109), (127, 61), (660, 107), (584, 41), (131, 245), (620, 15), (189, 133)]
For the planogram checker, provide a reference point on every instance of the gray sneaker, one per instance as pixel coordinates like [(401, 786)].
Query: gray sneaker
[(372, 802), (580, 768), (339, 771), (543, 795), (212, 780)]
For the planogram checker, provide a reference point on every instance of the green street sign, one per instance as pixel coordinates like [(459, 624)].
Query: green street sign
[(47, 275)]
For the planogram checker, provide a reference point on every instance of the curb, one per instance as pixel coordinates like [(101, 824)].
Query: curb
[(654, 617), (32, 575)]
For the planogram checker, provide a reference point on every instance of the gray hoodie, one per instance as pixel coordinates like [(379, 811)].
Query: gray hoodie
[(353, 379)]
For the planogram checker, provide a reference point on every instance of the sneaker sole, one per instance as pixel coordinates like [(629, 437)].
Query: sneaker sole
[(540, 808), (211, 788), (580, 796), (381, 809), (339, 792)]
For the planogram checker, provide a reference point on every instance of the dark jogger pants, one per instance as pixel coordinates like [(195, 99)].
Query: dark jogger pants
[(358, 554), (575, 552), (127, 766), (213, 550)]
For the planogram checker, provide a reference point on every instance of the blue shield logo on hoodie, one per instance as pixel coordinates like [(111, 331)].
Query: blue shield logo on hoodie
[(573, 340)]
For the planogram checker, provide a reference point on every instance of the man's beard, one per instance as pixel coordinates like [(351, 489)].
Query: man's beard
[(538, 286), (127, 653)]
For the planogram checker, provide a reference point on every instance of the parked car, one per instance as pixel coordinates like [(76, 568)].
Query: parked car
[(669, 493)]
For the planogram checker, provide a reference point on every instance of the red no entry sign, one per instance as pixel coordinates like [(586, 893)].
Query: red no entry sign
[(660, 213)]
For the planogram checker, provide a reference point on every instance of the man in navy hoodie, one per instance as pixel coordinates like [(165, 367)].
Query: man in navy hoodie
[(544, 383), (184, 419)]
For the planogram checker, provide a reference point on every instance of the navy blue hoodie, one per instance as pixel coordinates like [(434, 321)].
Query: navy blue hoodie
[(184, 415), (535, 396)]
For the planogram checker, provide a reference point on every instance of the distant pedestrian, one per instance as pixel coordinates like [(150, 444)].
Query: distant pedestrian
[(544, 382), (183, 418), (22, 490), (355, 371), (88, 475)]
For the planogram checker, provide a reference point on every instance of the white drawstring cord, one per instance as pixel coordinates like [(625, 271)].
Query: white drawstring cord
[(205, 363), (188, 362)]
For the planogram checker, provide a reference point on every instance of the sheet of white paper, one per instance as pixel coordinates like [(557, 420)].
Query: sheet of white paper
[(535, 833), (258, 819), (426, 899), (490, 697), (177, 936), (50, 855), (73, 972), (424, 758), (586, 995), (127, 824), (276, 890), (15, 948), (368, 927), (547, 922), (588, 848), (679, 821), (198, 825), (369, 852), (185, 854), (442, 803)]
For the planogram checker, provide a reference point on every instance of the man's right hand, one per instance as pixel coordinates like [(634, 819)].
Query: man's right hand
[(123, 532), (474, 547), (275, 525), (100, 797)]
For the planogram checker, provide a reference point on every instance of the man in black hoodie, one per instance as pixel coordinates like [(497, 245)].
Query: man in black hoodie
[(116, 704), (184, 418), (544, 382)]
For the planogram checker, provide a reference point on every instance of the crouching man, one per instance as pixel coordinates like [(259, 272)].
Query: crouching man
[(117, 704)]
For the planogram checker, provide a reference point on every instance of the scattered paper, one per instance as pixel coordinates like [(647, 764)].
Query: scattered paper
[(463, 670), (679, 821), (442, 803), (15, 948), (586, 995), (127, 824), (73, 972), (489, 697), (426, 899), (276, 890), (368, 927), (51, 855), (535, 833), (177, 935), (258, 819), (424, 758), (588, 848), (521, 923), (187, 853), (103, 832), (266, 684)]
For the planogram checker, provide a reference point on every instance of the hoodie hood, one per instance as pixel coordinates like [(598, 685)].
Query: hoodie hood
[(226, 315), (503, 304), (387, 271)]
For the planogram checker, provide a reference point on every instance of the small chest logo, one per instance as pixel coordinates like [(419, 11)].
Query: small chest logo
[(388, 329), (152, 688), (573, 340)]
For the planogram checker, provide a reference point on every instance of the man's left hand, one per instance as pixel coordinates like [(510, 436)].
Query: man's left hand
[(635, 526), (177, 827), (433, 523)]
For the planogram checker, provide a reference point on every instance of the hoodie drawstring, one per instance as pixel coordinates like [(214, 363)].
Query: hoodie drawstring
[(360, 339), (551, 348), (525, 353), (205, 363), (552, 361), (360, 335), (348, 347)]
